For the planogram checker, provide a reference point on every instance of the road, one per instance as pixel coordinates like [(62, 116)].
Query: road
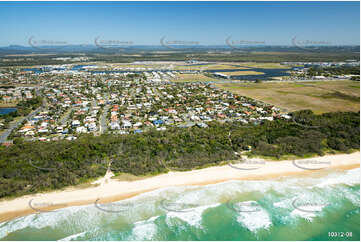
[(103, 119), (7, 132), (65, 117), (13, 126)]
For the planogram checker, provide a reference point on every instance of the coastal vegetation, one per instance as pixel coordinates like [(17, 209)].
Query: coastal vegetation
[(329, 71), (30, 167)]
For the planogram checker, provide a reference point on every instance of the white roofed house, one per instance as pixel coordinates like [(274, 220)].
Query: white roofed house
[(286, 116), (43, 130), (44, 125), (30, 133), (81, 129), (137, 125), (266, 118), (59, 129), (195, 118), (114, 125), (75, 123), (92, 126), (126, 124)]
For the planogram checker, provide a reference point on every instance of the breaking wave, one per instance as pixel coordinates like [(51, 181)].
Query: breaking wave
[(283, 201)]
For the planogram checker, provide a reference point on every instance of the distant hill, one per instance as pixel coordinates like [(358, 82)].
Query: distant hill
[(19, 49)]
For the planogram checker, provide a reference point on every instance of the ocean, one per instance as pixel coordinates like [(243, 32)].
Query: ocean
[(324, 206)]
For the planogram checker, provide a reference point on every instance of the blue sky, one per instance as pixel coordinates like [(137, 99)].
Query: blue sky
[(205, 22)]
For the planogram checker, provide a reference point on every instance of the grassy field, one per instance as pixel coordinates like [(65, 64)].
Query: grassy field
[(130, 65), (220, 66), (8, 105), (192, 78), (320, 97), (242, 73), (264, 65)]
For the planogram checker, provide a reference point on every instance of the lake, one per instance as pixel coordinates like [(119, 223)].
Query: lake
[(4, 111)]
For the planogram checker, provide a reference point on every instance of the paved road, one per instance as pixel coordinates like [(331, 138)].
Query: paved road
[(13, 126), (6, 133), (103, 119), (66, 116)]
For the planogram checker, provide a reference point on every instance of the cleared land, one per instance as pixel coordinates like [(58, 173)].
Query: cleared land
[(8, 105), (233, 66), (220, 66), (264, 65), (242, 73), (320, 97), (192, 78)]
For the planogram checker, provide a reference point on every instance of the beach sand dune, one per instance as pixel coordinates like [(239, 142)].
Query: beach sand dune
[(111, 190)]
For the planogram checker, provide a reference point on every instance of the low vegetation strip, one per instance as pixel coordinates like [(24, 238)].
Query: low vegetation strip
[(242, 73), (193, 78), (342, 96), (67, 163)]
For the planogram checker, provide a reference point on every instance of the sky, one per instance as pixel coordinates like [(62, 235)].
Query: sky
[(205, 23)]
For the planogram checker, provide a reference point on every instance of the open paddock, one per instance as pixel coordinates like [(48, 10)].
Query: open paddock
[(319, 96)]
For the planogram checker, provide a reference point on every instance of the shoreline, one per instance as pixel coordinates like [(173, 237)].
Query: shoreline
[(113, 190)]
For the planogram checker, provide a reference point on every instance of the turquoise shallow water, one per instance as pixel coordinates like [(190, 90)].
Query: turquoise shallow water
[(322, 207)]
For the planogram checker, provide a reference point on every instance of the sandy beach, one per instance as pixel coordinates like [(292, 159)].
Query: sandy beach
[(109, 190)]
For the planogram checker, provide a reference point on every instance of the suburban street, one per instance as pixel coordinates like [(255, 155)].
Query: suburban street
[(15, 125), (7, 132), (65, 118), (103, 119)]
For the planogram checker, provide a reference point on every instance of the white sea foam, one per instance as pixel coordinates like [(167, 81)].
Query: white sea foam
[(353, 197), (255, 220), (307, 212), (193, 217), (73, 236), (144, 230), (70, 218), (87, 218), (282, 204), (351, 177)]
